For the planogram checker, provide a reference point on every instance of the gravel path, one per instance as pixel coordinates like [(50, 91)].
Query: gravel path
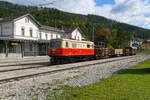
[(39, 87)]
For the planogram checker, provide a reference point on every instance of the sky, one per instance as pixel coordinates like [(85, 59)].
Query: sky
[(135, 12)]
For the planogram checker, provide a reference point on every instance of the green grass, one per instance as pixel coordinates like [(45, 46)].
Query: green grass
[(131, 84), (147, 52)]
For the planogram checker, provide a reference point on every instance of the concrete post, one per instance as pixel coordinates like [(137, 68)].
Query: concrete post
[(7, 49), (22, 49), (34, 48), (46, 48)]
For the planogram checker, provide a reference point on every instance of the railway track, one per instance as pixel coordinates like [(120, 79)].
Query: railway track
[(17, 78), (43, 65), (25, 64)]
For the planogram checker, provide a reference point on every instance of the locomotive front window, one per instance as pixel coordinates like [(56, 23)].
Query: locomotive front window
[(55, 44)]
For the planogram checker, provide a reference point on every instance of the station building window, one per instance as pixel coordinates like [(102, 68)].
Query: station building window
[(23, 31), (31, 32), (2, 49), (51, 36), (30, 47), (40, 35), (46, 36), (2, 46), (12, 49)]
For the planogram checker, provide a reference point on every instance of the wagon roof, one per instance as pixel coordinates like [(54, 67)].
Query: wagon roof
[(72, 40)]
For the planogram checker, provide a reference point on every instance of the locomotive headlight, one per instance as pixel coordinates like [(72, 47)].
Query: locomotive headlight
[(53, 49)]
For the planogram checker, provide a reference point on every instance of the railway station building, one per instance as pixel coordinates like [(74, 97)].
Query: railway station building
[(25, 36)]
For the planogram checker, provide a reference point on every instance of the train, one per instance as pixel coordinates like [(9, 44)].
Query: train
[(68, 51)]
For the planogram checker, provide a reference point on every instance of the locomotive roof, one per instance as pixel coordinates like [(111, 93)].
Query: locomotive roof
[(73, 40)]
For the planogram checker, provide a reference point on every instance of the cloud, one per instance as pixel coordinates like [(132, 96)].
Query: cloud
[(135, 12), (77, 6)]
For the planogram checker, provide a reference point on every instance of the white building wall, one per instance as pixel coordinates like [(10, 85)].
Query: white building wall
[(43, 36), (76, 35), (50, 35), (59, 36), (27, 25), (7, 29), (54, 36)]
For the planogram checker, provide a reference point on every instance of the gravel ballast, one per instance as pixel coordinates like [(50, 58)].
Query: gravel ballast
[(40, 87)]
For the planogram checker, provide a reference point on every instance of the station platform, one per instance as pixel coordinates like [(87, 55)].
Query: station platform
[(24, 59)]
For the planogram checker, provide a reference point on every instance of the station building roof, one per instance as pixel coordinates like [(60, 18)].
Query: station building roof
[(23, 40)]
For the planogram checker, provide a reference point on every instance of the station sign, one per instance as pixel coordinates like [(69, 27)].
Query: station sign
[(135, 45), (14, 44)]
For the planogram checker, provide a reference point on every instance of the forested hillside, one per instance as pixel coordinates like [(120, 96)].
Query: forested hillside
[(105, 30)]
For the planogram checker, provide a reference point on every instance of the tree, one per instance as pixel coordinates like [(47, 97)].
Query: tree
[(102, 35)]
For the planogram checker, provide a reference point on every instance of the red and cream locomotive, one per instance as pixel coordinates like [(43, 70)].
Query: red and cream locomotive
[(66, 50)]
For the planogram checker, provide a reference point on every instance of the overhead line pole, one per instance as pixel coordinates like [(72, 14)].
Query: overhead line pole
[(93, 34)]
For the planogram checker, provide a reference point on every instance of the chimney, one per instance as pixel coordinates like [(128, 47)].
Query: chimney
[(61, 27)]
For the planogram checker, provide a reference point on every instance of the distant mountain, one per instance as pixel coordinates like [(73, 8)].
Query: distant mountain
[(54, 17)]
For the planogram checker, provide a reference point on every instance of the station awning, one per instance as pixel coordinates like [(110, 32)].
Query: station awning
[(24, 40)]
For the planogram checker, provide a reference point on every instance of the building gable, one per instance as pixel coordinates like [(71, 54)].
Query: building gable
[(73, 33), (76, 34), (27, 24), (30, 17)]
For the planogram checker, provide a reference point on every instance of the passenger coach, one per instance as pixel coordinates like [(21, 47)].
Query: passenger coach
[(66, 50)]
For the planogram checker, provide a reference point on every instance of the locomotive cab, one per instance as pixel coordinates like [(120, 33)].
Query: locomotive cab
[(55, 47)]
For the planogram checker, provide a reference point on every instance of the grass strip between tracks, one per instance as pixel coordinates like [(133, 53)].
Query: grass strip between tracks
[(130, 84)]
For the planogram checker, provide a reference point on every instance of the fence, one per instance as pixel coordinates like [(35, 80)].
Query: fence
[(35, 53)]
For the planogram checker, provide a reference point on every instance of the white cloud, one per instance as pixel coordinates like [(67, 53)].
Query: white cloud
[(77, 6), (134, 12)]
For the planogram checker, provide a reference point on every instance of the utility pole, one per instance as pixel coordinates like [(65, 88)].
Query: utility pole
[(93, 34)]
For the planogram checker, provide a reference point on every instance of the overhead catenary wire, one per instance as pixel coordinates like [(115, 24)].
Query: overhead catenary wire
[(42, 4), (47, 3), (32, 3)]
